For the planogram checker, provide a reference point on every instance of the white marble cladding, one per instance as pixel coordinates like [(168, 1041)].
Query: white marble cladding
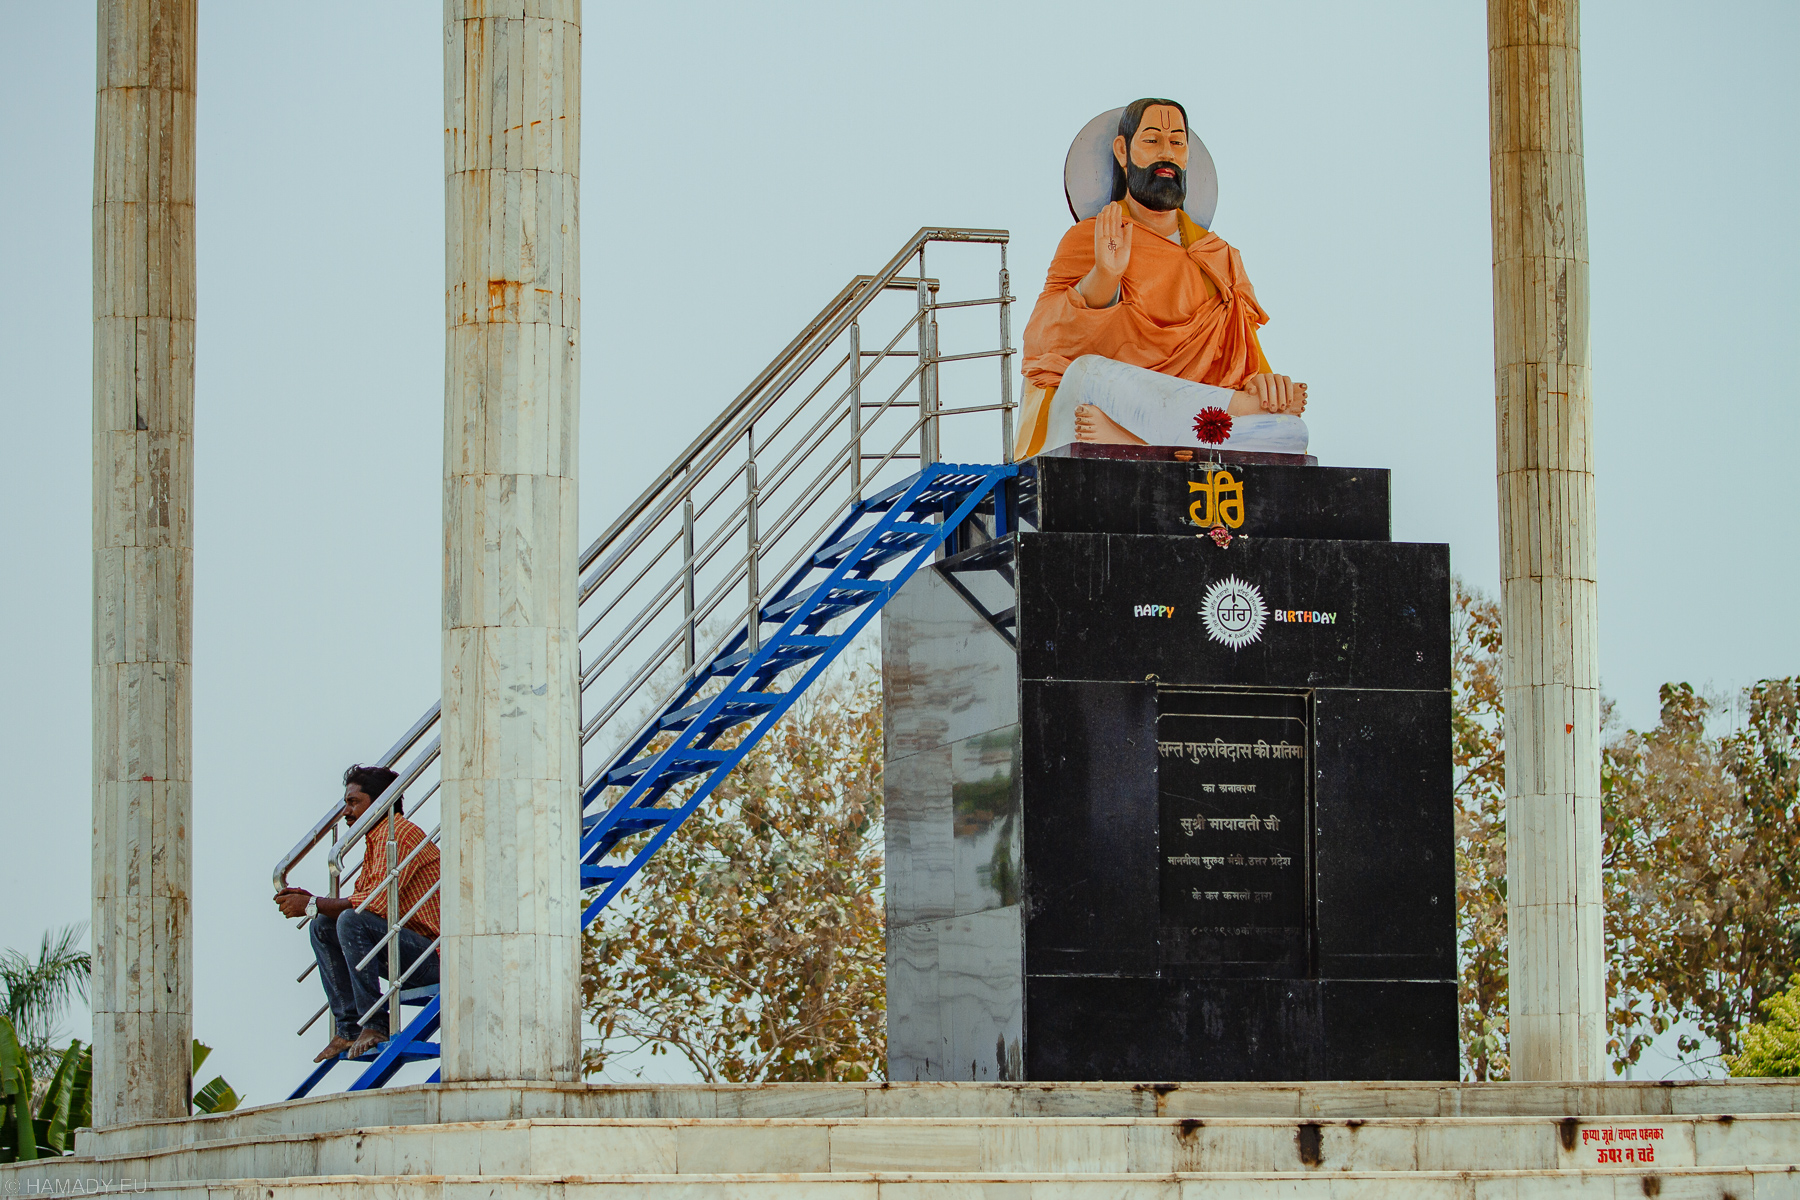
[(143, 541), (932, 1141), (511, 750), (1763, 1183), (429, 1104), (1549, 600), (997, 1145), (1485, 1156)]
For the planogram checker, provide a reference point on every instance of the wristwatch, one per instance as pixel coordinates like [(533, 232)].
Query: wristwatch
[(312, 906)]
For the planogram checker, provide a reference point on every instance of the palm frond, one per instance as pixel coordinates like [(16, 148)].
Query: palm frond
[(34, 995)]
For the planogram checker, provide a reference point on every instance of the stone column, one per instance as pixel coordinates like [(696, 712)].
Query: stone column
[(1546, 483), (143, 558), (512, 755)]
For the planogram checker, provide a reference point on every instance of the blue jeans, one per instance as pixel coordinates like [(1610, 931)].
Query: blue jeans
[(339, 945)]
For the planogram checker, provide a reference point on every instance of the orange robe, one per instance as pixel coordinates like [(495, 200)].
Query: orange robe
[(1187, 310)]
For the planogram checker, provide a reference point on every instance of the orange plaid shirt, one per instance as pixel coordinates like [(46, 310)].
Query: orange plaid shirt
[(416, 877)]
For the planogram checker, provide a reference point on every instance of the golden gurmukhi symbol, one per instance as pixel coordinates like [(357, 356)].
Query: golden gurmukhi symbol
[(1223, 497)]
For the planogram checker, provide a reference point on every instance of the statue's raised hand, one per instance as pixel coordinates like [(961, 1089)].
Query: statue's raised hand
[(1112, 241), (1112, 251)]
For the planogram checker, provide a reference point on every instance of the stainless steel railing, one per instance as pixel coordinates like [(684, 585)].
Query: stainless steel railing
[(882, 380)]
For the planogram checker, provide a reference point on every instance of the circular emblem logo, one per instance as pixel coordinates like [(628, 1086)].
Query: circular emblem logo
[(1233, 612)]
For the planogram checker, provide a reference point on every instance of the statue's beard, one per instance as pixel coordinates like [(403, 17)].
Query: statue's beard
[(1153, 191)]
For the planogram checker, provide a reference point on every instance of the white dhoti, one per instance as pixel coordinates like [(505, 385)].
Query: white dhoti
[(1161, 408)]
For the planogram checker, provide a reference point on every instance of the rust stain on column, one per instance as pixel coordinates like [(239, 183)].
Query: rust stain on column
[(512, 756)]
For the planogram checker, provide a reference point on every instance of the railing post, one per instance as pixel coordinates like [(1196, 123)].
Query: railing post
[(755, 548), (393, 915), (687, 579), (928, 428), (855, 411), (1006, 400)]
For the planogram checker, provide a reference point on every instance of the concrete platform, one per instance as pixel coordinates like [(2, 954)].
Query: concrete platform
[(940, 1140)]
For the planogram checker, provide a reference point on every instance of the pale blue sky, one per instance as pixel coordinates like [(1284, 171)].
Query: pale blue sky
[(803, 143)]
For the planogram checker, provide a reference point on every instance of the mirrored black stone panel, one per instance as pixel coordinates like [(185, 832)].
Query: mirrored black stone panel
[(1176, 1029), (1389, 1028), (1385, 836), (946, 672), (1090, 811), (955, 997), (1089, 495), (1320, 614), (1206, 1030)]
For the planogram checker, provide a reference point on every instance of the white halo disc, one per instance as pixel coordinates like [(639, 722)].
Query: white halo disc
[(1087, 172)]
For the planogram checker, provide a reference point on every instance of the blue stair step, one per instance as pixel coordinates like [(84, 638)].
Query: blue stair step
[(682, 763), (743, 706), (907, 534), (791, 650), (591, 874), (883, 500), (866, 590)]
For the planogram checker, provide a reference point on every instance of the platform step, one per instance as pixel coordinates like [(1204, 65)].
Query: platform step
[(1769, 1182), (347, 1135)]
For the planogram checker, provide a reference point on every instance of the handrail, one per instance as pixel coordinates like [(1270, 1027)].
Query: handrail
[(677, 582), (793, 364), (375, 813), (317, 833), (912, 247)]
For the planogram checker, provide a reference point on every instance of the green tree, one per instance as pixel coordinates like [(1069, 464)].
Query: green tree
[(63, 1107), (1478, 756), (1700, 867), (35, 993), (1772, 1047), (1703, 913), (216, 1096), (752, 943)]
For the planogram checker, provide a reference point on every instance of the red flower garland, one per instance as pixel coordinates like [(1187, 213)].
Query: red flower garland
[(1212, 426)]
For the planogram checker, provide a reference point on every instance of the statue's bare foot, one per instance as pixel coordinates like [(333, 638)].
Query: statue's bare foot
[(1092, 425)]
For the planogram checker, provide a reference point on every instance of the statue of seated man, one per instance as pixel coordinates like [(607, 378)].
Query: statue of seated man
[(1147, 317)]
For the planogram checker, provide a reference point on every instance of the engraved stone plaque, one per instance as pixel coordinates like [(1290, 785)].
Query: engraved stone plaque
[(1233, 770)]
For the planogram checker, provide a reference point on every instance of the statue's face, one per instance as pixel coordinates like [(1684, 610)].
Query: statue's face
[(1156, 161)]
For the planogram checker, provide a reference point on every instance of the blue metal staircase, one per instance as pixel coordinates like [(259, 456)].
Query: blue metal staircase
[(811, 479), (908, 521)]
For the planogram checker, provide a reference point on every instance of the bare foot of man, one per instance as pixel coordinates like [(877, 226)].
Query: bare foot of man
[(333, 1048), (366, 1041), (1092, 425)]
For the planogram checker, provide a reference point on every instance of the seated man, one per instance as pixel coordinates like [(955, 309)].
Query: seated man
[(343, 937), (1147, 318)]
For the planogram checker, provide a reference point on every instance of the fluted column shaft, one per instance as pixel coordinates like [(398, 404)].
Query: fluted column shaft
[(1546, 483), (143, 558), (512, 761)]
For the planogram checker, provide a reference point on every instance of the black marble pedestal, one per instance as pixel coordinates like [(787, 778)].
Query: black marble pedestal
[(1161, 808)]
